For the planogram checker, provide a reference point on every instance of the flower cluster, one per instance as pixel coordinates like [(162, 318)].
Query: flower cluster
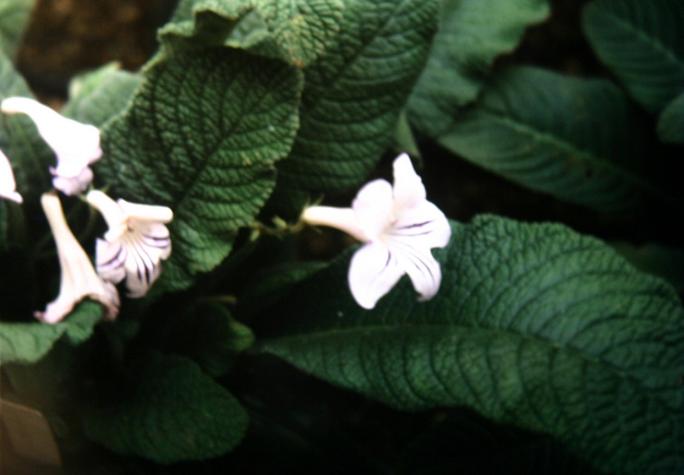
[(137, 239)]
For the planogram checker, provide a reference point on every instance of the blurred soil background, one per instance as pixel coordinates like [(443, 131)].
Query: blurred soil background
[(66, 37)]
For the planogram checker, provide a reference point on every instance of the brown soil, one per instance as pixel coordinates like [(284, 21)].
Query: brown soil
[(65, 37)]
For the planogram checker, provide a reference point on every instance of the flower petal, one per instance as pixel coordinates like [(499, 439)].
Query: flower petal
[(421, 267), (7, 184), (75, 144), (373, 207), (373, 271), (56, 310), (156, 239), (110, 258), (408, 187), (142, 212), (74, 185), (142, 264), (423, 224)]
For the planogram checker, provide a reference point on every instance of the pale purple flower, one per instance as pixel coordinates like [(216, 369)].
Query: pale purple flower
[(8, 187), (78, 278), (76, 145), (399, 228), (135, 244)]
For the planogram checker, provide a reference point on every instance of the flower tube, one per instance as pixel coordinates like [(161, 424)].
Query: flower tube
[(78, 278)]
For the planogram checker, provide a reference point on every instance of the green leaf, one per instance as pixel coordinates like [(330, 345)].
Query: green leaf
[(202, 135), (29, 342), (641, 42), (572, 138), (296, 31), (97, 96), (353, 95), (472, 34), (210, 336), (167, 411), (404, 139), (12, 226), (19, 139), (534, 325), (3, 227), (14, 15), (671, 122)]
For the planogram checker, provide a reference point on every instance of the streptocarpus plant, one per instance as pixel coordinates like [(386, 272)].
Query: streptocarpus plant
[(202, 184)]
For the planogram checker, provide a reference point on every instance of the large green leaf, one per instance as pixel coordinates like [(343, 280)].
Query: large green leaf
[(534, 325), (353, 95), (167, 411), (671, 122), (202, 135), (99, 95), (472, 33), (29, 342), (641, 42), (19, 139), (296, 31), (572, 138), (14, 14)]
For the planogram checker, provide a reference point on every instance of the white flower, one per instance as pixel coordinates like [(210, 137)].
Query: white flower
[(135, 244), (8, 187), (79, 280), (399, 227), (76, 145)]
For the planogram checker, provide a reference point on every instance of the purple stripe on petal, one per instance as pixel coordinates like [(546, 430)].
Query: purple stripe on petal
[(115, 261), (415, 225)]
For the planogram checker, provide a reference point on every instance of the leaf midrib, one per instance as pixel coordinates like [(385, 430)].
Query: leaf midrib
[(444, 328), (338, 74), (567, 147), (208, 155), (651, 41)]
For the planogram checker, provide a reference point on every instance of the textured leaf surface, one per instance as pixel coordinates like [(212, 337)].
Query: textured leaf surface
[(201, 136), (168, 411), (671, 122), (641, 42), (353, 95), (14, 14), (472, 33), (569, 137), (19, 139), (97, 96), (534, 325), (296, 31), (29, 342)]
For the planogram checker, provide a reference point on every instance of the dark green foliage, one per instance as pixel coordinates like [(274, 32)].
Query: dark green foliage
[(534, 325)]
